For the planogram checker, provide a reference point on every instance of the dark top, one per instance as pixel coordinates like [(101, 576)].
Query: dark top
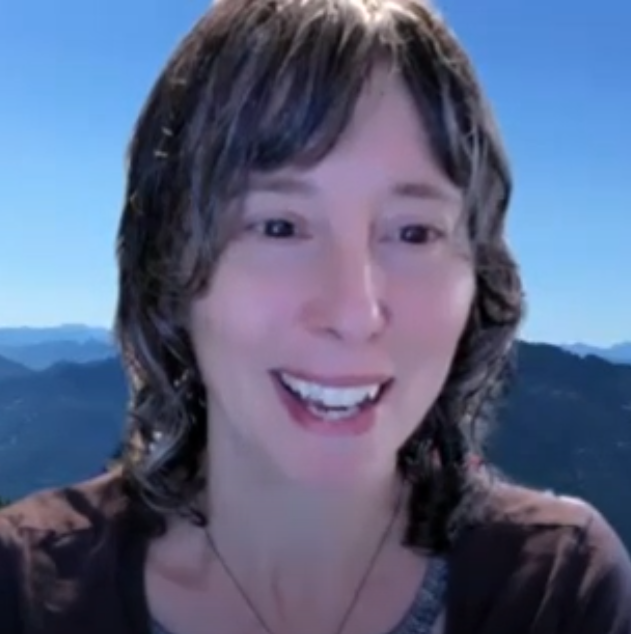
[(71, 562)]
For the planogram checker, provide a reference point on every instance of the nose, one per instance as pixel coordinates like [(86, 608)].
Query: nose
[(350, 301)]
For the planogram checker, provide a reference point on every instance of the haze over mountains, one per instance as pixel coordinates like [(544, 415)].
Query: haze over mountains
[(26, 335), (566, 424), (618, 353), (39, 348)]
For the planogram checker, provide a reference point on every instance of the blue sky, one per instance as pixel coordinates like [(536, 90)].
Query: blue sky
[(75, 73)]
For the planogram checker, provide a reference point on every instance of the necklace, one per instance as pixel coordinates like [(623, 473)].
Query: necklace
[(356, 595)]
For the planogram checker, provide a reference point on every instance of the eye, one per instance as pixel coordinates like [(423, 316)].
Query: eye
[(419, 234), (278, 228)]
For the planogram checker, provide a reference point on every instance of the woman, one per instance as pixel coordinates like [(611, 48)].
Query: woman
[(317, 308)]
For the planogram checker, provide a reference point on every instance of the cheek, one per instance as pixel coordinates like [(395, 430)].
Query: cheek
[(432, 313), (239, 312)]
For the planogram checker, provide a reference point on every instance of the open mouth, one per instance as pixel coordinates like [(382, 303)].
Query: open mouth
[(332, 402)]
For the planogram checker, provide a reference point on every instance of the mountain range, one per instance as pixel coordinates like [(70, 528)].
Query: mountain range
[(58, 425), (40, 348), (566, 426), (10, 369), (618, 353)]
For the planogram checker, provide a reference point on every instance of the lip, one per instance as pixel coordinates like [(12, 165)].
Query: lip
[(355, 425), (347, 380)]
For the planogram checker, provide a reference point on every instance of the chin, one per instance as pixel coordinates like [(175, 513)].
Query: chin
[(344, 467)]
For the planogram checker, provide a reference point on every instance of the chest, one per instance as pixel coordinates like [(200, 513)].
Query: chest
[(411, 602)]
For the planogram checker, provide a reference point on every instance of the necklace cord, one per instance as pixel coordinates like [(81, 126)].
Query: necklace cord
[(358, 590)]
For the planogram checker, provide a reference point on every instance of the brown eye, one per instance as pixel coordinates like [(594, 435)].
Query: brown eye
[(278, 228), (417, 234)]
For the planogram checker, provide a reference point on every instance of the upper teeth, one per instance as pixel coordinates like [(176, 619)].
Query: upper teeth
[(331, 396)]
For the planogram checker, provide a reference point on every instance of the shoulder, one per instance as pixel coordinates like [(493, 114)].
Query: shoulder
[(552, 521), (50, 514), (556, 553), (56, 546), (518, 508)]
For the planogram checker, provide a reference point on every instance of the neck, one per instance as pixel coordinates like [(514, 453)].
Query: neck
[(276, 524)]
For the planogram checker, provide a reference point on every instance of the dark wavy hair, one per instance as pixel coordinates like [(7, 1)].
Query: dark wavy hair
[(255, 86)]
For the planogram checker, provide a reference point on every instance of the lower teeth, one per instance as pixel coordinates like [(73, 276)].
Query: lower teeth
[(332, 414)]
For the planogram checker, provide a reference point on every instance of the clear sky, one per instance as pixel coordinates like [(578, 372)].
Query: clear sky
[(74, 75)]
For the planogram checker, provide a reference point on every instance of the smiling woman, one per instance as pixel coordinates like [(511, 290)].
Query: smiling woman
[(317, 310), (362, 262)]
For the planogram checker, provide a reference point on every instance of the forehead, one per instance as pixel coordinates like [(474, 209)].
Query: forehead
[(385, 146)]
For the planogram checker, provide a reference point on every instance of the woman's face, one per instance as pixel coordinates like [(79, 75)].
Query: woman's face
[(334, 314)]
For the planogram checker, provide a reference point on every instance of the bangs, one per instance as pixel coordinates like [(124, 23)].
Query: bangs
[(287, 96), (257, 86)]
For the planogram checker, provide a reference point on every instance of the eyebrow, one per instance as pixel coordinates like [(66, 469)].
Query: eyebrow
[(413, 190)]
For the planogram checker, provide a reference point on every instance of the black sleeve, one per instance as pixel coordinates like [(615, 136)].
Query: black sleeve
[(599, 576), (10, 620)]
